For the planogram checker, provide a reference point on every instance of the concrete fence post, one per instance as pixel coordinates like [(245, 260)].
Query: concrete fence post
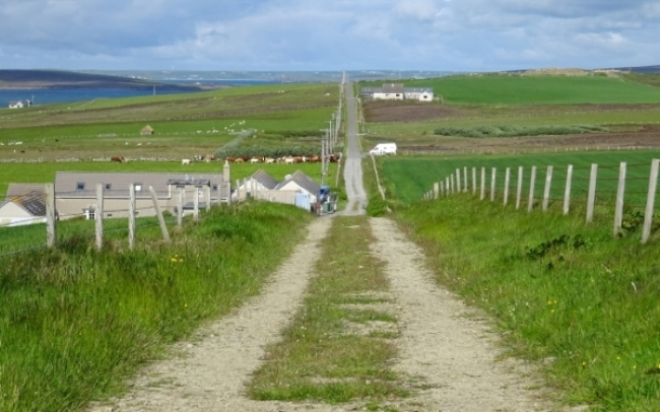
[(650, 200), (474, 180), (620, 193), (483, 184), (507, 182), (532, 183), (567, 189), (546, 189), (493, 179), (161, 219), (591, 199), (98, 216), (51, 227), (131, 216), (519, 187)]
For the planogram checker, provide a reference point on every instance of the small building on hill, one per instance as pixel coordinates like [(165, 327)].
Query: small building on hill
[(147, 131)]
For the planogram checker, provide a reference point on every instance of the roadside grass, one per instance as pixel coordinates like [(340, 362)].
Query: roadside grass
[(410, 177), (76, 323), (330, 353), (579, 303)]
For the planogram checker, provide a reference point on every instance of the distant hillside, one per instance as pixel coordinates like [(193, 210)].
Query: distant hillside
[(66, 79)]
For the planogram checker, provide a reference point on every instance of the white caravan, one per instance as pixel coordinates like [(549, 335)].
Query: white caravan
[(383, 149)]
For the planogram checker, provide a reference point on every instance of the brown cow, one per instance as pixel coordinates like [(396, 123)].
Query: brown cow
[(118, 159)]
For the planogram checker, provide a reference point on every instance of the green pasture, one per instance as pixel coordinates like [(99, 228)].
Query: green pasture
[(551, 116), (76, 323), (45, 172), (524, 90), (408, 178), (578, 303)]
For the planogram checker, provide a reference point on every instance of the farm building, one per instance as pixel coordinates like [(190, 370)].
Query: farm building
[(147, 131), (24, 209), (396, 91), (19, 104), (75, 192), (296, 189)]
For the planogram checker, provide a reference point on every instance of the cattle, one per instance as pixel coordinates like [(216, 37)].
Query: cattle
[(256, 160), (186, 162), (269, 160), (209, 158), (118, 159)]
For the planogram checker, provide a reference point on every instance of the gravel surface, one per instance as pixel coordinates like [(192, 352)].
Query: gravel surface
[(448, 356)]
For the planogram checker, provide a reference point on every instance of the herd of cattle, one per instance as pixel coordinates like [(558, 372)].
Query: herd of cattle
[(332, 158)]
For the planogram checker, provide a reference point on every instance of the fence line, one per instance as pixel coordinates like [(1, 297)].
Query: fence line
[(590, 201)]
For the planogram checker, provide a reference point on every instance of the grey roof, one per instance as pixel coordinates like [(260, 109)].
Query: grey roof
[(393, 88), (19, 189), (34, 203), (82, 185), (303, 181), (419, 90), (265, 179)]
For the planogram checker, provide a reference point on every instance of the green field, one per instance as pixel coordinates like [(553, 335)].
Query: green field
[(409, 178), (535, 90)]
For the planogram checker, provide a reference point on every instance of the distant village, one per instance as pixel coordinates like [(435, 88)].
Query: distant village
[(397, 91)]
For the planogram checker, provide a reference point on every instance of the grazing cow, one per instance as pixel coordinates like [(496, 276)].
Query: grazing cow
[(289, 160), (313, 159), (186, 162), (118, 159), (230, 159), (269, 160), (256, 160), (209, 158), (239, 160)]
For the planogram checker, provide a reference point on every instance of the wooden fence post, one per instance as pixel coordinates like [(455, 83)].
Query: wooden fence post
[(98, 216), (507, 181), (161, 219), (474, 180), (620, 193), (532, 182), (131, 217), (591, 200), (483, 183), (567, 190), (51, 228), (650, 200), (493, 177), (458, 180), (519, 188), (546, 189)]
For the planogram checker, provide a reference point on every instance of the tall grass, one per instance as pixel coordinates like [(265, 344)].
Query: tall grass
[(75, 323)]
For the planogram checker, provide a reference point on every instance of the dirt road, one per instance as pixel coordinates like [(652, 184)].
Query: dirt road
[(451, 354)]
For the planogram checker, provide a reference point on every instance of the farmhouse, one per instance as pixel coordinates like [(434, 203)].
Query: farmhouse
[(396, 91), (19, 104), (24, 209), (75, 192), (301, 183), (296, 189)]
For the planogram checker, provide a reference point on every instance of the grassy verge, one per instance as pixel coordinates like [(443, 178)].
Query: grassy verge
[(76, 323), (332, 352), (570, 297)]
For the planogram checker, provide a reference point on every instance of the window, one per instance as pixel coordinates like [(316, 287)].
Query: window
[(138, 187), (80, 186), (214, 188), (108, 186)]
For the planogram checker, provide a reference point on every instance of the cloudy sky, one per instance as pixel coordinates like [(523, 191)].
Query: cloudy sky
[(262, 35)]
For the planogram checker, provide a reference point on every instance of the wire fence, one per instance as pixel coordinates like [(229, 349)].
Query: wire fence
[(626, 187)]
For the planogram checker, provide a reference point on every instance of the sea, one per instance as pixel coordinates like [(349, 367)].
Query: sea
[(70, 95)]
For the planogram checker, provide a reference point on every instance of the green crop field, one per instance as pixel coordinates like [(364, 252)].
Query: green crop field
[(526, 90), (410, 178)]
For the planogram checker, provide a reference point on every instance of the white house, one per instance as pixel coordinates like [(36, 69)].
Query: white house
[(19, 104), (396, 91)]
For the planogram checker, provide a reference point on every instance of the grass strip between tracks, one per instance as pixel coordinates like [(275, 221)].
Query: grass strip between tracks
[(340, 345)]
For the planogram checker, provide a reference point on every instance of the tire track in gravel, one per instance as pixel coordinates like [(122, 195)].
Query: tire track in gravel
[(451, 354), (209, 374)]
